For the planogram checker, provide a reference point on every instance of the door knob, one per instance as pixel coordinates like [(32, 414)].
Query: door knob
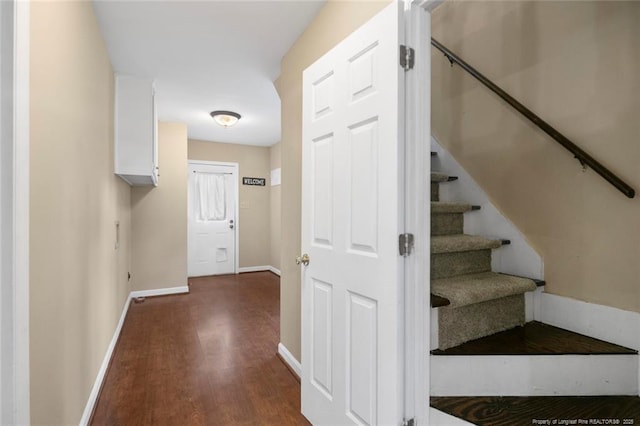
[(231, 224), (304, 259)]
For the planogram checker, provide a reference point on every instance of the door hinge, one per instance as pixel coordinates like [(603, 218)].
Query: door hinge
[(410, 422), (405, 244), (407, 57)]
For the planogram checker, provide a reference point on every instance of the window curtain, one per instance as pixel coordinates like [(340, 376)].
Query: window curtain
[(211, 197)]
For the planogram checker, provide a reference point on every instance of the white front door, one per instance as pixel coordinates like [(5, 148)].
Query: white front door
[(212, 222), (352, 214)]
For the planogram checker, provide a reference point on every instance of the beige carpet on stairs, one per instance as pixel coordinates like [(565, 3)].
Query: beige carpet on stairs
[(482, 302)]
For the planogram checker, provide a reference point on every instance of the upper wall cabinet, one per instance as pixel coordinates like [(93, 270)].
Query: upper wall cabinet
[(136, 132)]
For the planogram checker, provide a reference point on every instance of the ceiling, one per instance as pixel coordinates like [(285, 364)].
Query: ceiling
[(206, 56)]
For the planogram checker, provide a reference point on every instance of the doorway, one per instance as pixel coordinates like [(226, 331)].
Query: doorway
[(212, 218)]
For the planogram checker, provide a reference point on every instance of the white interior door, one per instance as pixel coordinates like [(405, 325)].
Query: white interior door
[(212, 222), (352, 214)]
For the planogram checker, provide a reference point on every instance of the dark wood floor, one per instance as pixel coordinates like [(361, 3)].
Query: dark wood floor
[(536, 338), (521, 411), (206, 358)]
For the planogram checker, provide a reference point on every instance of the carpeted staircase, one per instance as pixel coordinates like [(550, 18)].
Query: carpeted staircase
[(487, 366), (474, 301)]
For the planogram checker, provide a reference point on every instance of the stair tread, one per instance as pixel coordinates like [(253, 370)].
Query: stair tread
[(444, 207), (520, 410), (461, 242), (437, 177), (536, 338), (437, 301), (463, 290)]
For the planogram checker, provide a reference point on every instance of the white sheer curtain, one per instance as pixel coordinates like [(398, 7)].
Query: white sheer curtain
[(210, 197)]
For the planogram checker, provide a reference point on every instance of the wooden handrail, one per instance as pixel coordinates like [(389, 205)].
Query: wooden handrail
[(584, 158)]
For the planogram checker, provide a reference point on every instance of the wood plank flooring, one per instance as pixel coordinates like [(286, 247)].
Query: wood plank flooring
[(536, 338), (204, 358), (521, 411)]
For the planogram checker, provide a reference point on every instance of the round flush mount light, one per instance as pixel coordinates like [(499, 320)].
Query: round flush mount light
[(225, 118)]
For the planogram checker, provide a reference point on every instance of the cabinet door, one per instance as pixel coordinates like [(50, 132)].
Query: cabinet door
[(135, 131)]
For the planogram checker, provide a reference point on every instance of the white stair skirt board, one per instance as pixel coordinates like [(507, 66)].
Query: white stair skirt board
[(517, 258), (160, 291), (598, 321), (439, 418), (534, 375), (290, 359), (95, 391), (244, 269)]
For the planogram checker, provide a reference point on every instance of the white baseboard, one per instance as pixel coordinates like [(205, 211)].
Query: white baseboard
[(259, 269), (160, 291), (598, 321), (290, 359), (275, 270), (253, 269), (93, 396), (534, 375)]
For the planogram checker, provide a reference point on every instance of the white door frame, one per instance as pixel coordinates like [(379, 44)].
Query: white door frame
[(14, 213), (417, 211), (236, 170)]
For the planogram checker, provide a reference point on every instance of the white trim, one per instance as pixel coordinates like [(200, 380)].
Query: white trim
[(534, 375), (253, 269), (434, 341), (160, 291), (290, 359), (14, 219), (274, 270), (236, 167), (417, 128), (97, 385), (598, 321), (259, 269)]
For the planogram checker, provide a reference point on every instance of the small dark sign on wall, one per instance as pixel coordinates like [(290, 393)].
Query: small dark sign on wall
[(253, 181)]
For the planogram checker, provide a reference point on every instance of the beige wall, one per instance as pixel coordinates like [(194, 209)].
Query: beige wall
[(275, 201), (78, 279), (577, 64), (334, 22), (253, 161), (159, 217)]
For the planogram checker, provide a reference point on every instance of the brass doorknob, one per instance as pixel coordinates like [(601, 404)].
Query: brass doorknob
[(304, 259)]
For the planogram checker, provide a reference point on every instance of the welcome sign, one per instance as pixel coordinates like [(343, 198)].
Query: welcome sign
[(253, 181)]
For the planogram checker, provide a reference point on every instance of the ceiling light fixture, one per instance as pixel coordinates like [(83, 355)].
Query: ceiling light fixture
[(225, 118)]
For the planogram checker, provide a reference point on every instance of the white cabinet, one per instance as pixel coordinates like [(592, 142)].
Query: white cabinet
[(136, 132)]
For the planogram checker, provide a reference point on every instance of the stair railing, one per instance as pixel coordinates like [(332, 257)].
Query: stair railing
[(584, 158)]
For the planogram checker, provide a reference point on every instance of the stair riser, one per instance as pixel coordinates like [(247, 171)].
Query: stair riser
[(435, 192), (459, 325), (539, 375), (445, 265), (447, 224)]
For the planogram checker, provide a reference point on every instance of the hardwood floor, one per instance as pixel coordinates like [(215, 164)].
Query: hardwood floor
[(524, 411), (204, 358)]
